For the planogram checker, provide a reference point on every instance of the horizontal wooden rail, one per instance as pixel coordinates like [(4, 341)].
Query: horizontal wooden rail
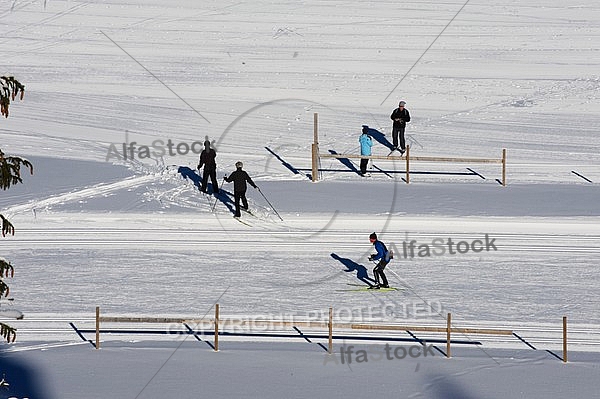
[(412, 158), (316, 158), (126, 319), (487, 331), (224, 322)]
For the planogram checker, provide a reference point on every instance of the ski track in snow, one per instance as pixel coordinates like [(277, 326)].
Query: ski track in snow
[(521, 77), (83, 194)]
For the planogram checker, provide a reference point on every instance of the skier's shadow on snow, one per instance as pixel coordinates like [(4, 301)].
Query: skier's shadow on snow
[(379, 137), (352, 266), (188, 173), (225, 197), (191, 174)]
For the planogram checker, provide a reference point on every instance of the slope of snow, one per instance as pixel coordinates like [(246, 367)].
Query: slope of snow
[(136, 237)]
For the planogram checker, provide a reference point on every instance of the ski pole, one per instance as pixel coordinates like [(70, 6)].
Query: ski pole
[(271, 205), (215, 204), (217, 198)]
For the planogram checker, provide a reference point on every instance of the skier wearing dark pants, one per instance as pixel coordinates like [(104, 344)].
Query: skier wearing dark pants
[(384, 256), (239, 179), (207, 159), (365, 149), (400, 116)]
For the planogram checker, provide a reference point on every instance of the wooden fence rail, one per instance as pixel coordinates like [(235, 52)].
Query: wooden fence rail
[(218, 321), (407, 158)]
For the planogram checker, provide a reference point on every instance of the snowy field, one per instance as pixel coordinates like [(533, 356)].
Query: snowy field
[(137, 238)]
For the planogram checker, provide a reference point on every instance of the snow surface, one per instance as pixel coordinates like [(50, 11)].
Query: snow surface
[(137, 238)]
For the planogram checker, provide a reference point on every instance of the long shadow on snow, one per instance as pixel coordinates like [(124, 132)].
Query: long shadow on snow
[(23, 379), (226, 198), (191, 174), (379, 137), (291, 168), (352, 266), (346, 162)]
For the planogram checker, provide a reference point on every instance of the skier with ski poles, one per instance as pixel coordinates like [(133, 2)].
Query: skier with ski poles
[(239, 179), (383, 256), (207, 159)]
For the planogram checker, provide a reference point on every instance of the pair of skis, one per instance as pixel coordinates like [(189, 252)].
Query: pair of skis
[(362, 287), (208, 196), (239, 219), (261, 193)]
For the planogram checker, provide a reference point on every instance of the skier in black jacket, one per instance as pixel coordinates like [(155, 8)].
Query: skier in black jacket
[(207, 159), (239, 179), (400, 116)]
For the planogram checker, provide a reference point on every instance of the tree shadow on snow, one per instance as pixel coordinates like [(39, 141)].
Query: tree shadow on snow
[(444, 386), (361, 272), (23, 378)]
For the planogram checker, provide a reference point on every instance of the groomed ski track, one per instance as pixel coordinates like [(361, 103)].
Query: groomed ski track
[(302, 273)]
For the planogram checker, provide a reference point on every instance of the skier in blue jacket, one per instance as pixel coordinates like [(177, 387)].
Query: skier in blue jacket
[(384, 256), (366, 142)]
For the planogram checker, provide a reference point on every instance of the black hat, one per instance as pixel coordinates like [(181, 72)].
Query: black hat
[(373, 236), (365, 129)]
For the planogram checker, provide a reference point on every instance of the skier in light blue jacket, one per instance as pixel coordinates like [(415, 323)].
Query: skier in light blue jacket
[(366, 142)]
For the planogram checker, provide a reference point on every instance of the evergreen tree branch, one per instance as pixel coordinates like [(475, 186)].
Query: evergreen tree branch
[(10, 174), (6, 270), (7, 227), (4, 290), (10, 170), (8, 333), (9, 90)]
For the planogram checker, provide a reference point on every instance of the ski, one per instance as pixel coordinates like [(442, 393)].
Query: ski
[(360, 285), (367, 288), (243, 222), (249, 212), (396, 149)]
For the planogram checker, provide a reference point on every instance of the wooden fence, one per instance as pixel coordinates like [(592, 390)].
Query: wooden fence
[(407, 158), (329, 325)]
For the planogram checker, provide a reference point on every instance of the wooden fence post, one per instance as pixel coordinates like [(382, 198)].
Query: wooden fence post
[(504, 167), (216, 327), (315, 163), (448, 327), (97, 327), (564, 339), (407, 164), (330, 347), (315, 148)]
